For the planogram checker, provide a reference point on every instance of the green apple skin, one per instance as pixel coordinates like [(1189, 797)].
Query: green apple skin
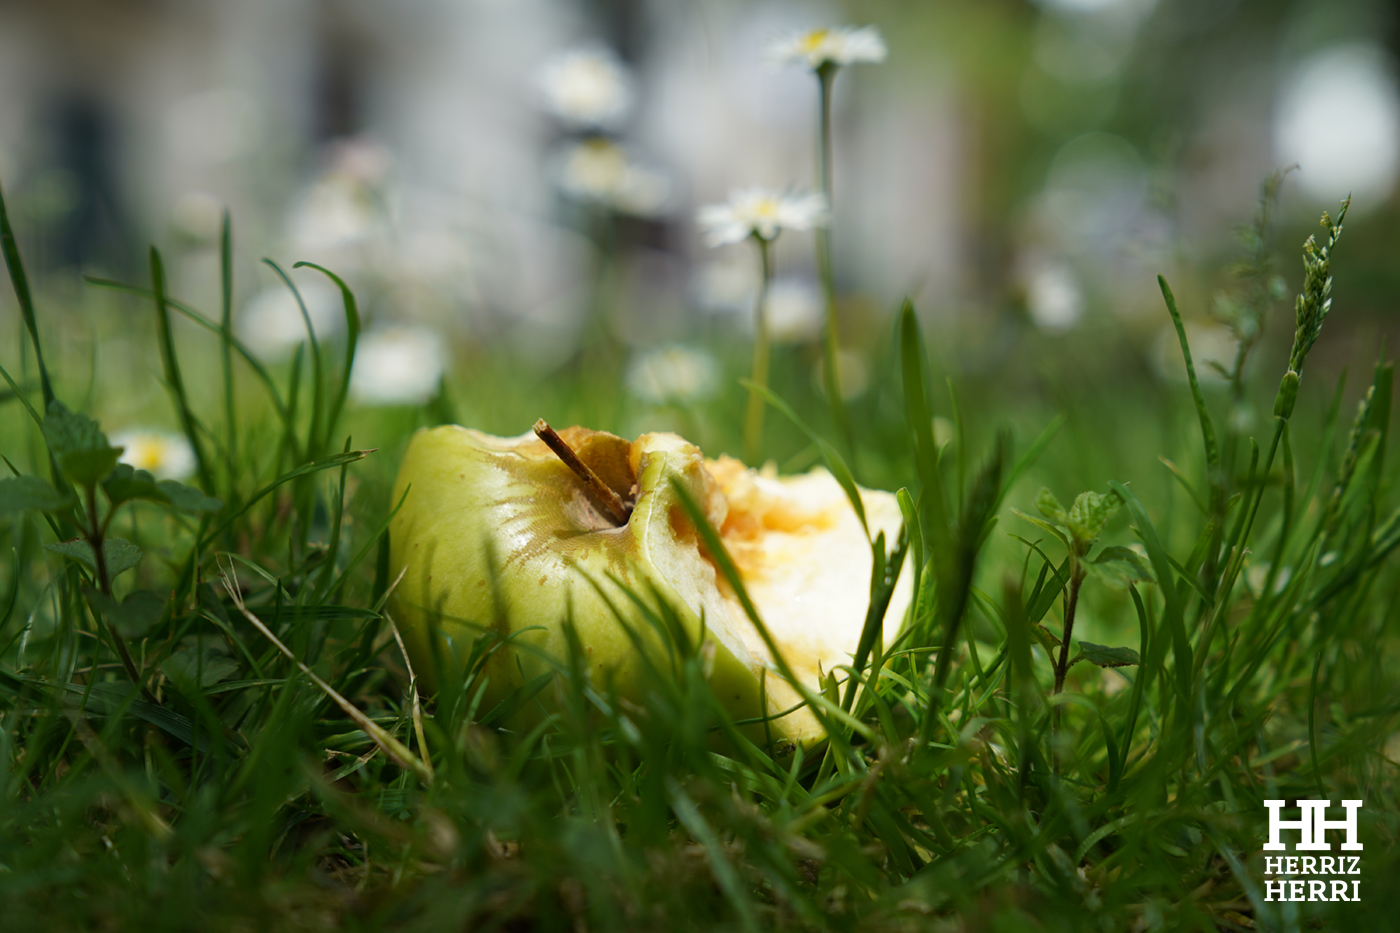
[(497, 534)]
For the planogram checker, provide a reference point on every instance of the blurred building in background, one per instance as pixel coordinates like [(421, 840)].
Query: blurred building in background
[(471, 165)]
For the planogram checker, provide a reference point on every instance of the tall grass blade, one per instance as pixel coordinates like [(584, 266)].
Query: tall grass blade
[(173, 377), (20, 280)]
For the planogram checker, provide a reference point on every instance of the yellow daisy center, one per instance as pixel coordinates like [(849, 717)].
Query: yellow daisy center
[(766, 208), (147, 453)]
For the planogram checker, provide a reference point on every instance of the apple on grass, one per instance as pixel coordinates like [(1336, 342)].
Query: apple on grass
[(500, 534)]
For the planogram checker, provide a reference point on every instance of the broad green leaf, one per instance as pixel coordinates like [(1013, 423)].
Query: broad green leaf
[(78, 444), (121, 555), (1121, 564), (1050, 507), (1104, 656), (125, 483), (18, 493), (1045, 638), (186, 666), (133, 616), (187, 498)]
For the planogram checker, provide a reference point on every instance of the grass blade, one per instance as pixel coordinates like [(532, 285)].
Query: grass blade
[(1202, 414), (20, 281), (173, 378)]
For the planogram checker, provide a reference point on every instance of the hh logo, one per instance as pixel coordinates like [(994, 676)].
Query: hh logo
[(1313, 826)]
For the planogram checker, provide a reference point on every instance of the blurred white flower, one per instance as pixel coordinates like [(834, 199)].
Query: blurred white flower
[(398, 366), (335, 212), (794, 309), (271, 324), (1053, 296), (835, 45), (673, 374), (161, 453), (1339, 119), (760, 212), (588, 87), (600, 171)]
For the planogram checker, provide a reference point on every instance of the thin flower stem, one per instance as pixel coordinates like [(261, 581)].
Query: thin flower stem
[(753, 422), (826, 76), (831, 340), (1076, 580), (1071, 605)]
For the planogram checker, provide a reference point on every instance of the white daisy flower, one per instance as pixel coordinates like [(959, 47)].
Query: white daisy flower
[(836, 45), (673, 374), (161, 453), (760, 212), (600, 171), (397, 366), (588, 87)]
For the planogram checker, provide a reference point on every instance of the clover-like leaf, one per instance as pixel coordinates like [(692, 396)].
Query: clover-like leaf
[(131, 617), (1050, 507), (190, 667), (125, 483), (120, 554), (1104, 656), (187, 498), (78, 444), (18, 493), (1121, 565), (1090, 513)]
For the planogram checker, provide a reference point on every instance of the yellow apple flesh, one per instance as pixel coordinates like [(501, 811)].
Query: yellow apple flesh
[(498, 535)]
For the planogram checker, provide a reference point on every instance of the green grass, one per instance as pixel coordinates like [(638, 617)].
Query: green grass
[(164, 765)]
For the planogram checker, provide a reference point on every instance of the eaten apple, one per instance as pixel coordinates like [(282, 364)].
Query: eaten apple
[(499, 535)]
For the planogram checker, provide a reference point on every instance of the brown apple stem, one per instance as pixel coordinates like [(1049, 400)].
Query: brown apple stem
[(611, 499)]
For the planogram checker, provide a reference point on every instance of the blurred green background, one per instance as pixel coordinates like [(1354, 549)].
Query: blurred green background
[(1022, 170)]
